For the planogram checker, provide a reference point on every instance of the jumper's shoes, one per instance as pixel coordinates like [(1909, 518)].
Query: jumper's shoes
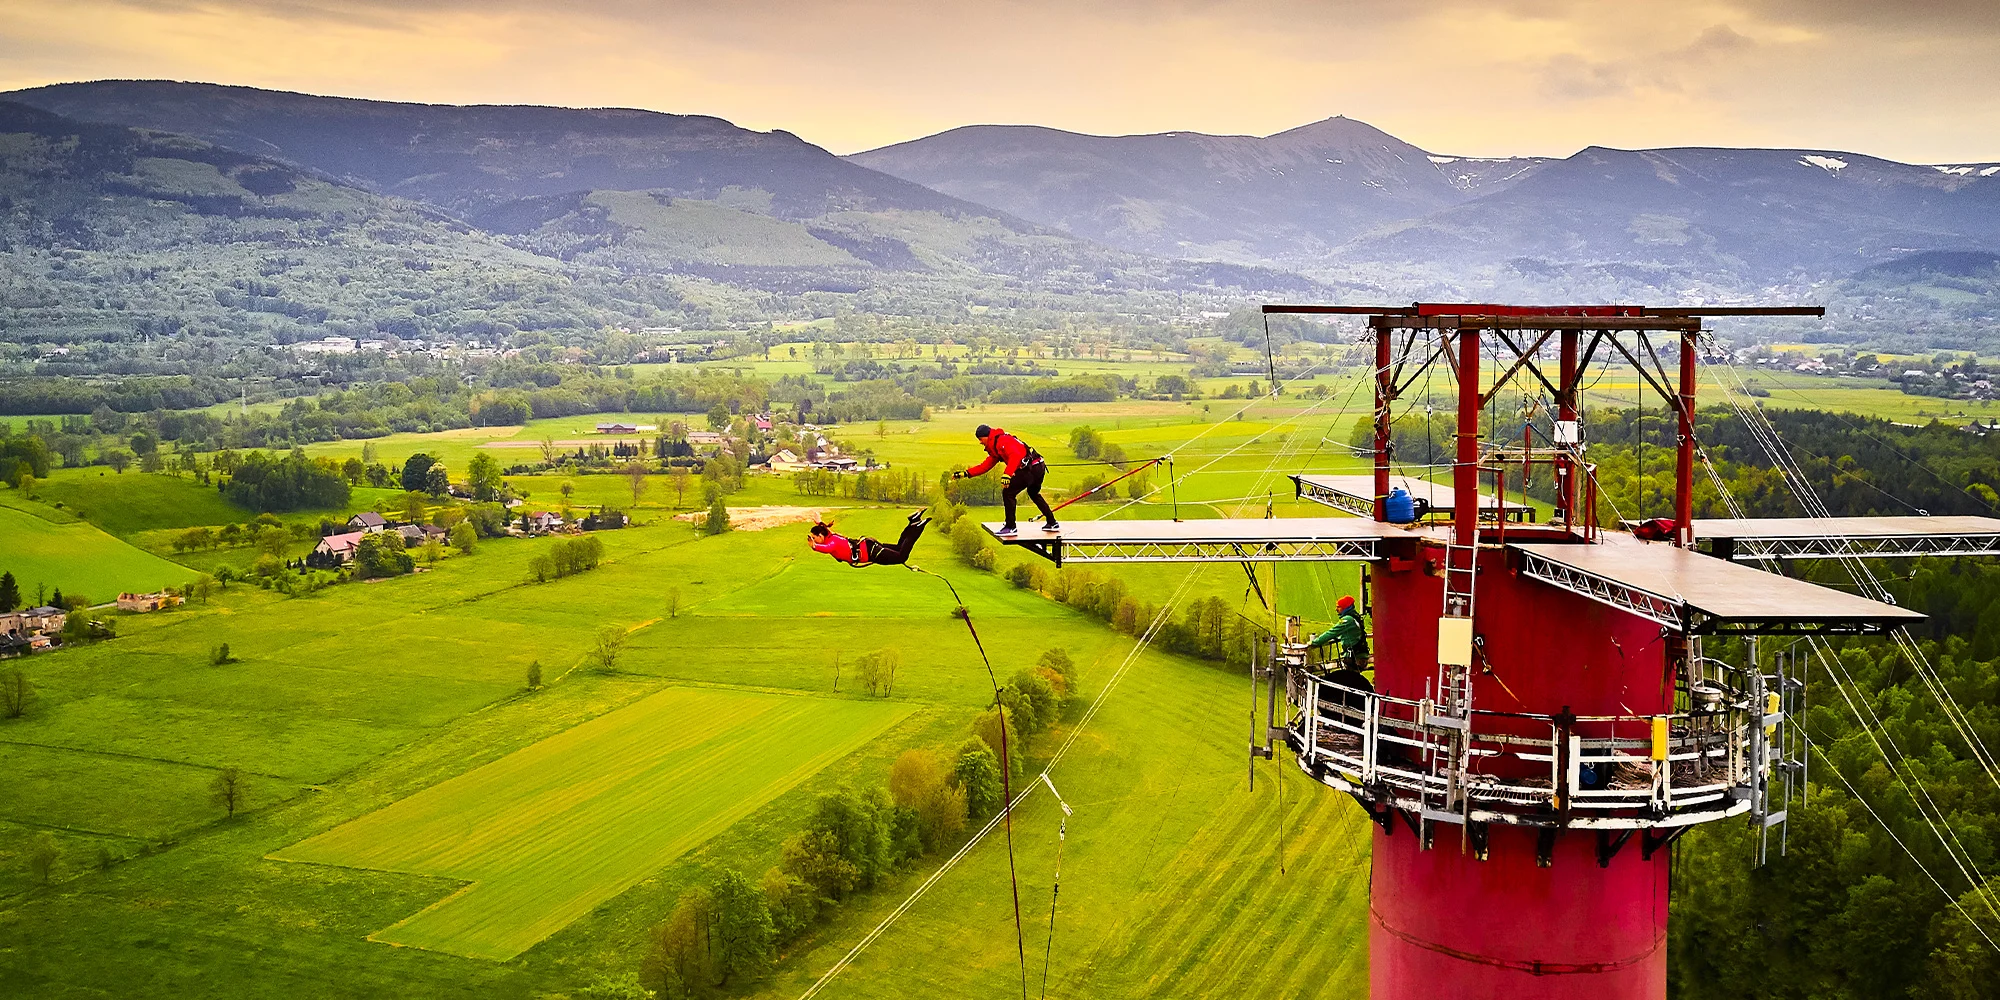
[(921, 523), (1051, 527), (918, 516), (1008, 530)]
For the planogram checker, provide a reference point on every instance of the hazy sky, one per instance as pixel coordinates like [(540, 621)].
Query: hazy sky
[(1914, 80)]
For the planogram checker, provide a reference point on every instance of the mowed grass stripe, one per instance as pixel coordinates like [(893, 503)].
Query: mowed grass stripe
[(550, 831)]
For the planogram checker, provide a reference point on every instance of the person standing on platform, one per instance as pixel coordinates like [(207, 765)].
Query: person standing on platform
[(1021, 470), (1350, 633)]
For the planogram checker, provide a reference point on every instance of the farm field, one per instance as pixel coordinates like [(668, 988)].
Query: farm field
[(77, 558), (400, 705), (549, 831)]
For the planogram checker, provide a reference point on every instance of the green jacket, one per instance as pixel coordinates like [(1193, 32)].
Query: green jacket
[(1347, 630)]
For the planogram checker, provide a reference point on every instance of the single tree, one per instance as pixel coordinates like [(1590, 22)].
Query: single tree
[(433, 551), (548, 450), (437, 481), (673, 602), (635, 476), (43, 855), (201, 588), (534, 674), (414, 471), (228, 790), (414, 507), (220, 655), (464, 537), (718, 417), (680, 478), (717, 520), (482, 477), (119, 459), (609, 646), (743, 929), (10, 593), (15, 692)]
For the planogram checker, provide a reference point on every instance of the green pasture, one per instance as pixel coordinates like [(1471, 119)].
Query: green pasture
[(548, 832), (137, 501), (77, 557), (371, 717)]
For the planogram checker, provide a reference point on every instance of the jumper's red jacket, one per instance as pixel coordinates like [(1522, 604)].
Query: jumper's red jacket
[(1001, 447), (836, 546)]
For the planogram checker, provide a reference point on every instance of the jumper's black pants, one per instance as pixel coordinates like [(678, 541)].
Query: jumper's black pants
[(883, 554), (1029, 478)]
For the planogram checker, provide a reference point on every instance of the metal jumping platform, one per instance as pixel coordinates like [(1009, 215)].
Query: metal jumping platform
[(1765, 538), (1698, 595), (1282, 539), (1356, 495)]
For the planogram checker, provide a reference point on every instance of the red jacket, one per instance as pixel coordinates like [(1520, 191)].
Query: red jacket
[(841, 548), (1002, 447)]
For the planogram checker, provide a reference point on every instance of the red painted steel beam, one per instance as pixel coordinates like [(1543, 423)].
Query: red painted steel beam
[(1684, 464), (1465, 470), (1385, 394)]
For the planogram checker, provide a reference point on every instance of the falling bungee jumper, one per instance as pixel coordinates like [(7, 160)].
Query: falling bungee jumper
[(1021, 469), (866, 551)]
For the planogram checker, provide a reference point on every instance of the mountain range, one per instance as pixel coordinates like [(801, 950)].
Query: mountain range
[(621, 200), (1342, 199)]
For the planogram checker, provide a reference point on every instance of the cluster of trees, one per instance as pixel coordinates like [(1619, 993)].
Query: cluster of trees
[(884, 485), (566, 557), (729, 929), (1845, 911), (266, 483)]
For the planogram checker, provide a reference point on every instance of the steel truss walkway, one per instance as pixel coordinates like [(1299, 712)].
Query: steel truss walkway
[(1696, 594), (1765, 538), (1234, 540), (1355, 494)]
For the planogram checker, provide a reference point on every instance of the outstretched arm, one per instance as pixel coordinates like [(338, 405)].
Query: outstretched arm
[(981, 467)]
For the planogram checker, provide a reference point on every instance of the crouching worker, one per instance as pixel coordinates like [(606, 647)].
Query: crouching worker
[(868, 551)]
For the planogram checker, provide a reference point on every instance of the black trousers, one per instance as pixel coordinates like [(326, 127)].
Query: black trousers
[(1029, 478), (884, 554)]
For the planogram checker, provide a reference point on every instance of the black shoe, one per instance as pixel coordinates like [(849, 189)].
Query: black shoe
[(918, 516), (1051, 526), (925, 523)]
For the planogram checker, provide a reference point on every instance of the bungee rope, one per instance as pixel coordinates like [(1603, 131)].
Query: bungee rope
[(964, 614)]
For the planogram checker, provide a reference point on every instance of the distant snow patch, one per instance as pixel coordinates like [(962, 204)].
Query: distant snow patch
[(1444, 159), (1960, 171), (1989, 171), (1830, 164)]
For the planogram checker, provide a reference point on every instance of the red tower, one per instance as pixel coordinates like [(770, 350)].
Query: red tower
[(1553, 703)]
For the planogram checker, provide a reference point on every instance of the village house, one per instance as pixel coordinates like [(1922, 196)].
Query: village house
[(368, 521), (702, 439), (617, 428), (417, 534), (541, 520), (764, 422), (340, 547), (787, 460), (46, 619), (148, 602)]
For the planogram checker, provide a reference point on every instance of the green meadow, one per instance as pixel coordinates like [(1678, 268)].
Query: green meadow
[(404, 787), (419, 819), (551, 830), (45, 548)]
